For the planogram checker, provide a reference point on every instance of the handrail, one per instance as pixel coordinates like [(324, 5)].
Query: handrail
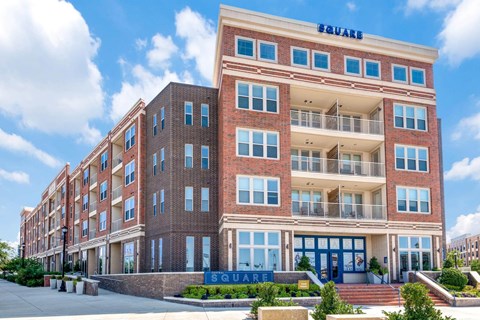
[(337, 166), (388, 284)]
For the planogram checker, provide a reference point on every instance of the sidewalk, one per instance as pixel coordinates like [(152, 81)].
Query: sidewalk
[(36, 303)]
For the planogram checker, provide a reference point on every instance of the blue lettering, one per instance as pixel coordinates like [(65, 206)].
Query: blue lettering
[(255, 277), (264, 277), (352, 33), (236, 277), (246, 278), (214, 278), (359, 35), (338, 30), (345, 33), (329, 29), (225, 278), (321, 27)]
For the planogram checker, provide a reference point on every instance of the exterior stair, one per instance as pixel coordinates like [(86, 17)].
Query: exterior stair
[(376, 294)]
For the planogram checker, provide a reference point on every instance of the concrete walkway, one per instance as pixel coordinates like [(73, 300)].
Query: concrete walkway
[(37, 303)]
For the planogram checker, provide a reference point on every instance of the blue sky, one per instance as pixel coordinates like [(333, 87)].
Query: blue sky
[(69, 70)]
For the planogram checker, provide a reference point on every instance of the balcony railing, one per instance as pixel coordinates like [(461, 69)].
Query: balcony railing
[(117, 192), (77, 215), (116, 225), (77, 191), (93, 179), (75, 240), (92, 234), (339, 210), (336, 123), (93, 206), (117, 159), (334, 166)]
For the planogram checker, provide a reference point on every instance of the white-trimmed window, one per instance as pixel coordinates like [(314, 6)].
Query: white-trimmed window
[(162, 117), (85, 176), (155, 124), (205, 200), (300, 57), (415, 253), (162, 159), (410, 117), (258, 191), (104, 161), (411, 158), (129, 209), (257, 144), (257, 97), (154, 164), (162, 201), (258, 250), (321, 60), (152, 256), (154, 203), (85, 202), (84, 228), (188, 198), (267, 51), (413, 200), (353, 66), (128, 257), (130, 172), (188, 113), (206, 254), (372, 69), (205, 115), (160, 254), (130, 137), (103, 190), (205, 157), (190, 253), (103, 221), (63, 213), (188, 155), (417, 76), (399, 73), (244, 47)]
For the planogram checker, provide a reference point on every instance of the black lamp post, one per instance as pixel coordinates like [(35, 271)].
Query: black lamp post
[(455, 255), (23, 254), (64, 234)]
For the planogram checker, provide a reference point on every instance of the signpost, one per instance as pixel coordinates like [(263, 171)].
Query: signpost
[(237, 277)]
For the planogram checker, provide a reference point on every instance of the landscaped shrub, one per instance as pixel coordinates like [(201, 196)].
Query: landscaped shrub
[(29, 273), (453, 277), (332, 304), (418, 305), (475, 265), (374, 266), (305, 265), (267, 297)]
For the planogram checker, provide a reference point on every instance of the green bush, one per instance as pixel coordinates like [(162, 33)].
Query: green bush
[(450, 261), (452, 288), (475, 265), (305, 265), (418, 305), (453, 277), (374, 266), (267, 297), (332, 304), (30, 273)]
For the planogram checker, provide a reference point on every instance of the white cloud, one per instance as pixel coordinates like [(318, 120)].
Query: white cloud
[(469, 126), (16, 143), (90, 135), (464, 169), (48, 80), (431, 4), (140, 44), (15, 176), (200, 37), (466, 223), (163, 49), (351, 6)]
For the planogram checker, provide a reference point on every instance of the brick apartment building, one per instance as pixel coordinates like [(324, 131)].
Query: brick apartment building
[(467, 247), (315, 140)]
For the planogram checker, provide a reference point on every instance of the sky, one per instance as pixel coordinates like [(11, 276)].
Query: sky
[(70, 70)]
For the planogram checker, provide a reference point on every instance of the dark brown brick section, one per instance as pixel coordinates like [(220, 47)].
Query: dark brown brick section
[(176, 224)]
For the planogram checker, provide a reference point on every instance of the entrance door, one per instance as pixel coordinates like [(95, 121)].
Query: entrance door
[(336, 271), (329, 266)]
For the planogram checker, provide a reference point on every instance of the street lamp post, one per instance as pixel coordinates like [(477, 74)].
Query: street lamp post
[(455, 255), (23, 254), (64, 234)]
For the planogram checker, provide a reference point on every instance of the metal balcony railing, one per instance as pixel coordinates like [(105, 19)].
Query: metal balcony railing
[(334, 166), (116, 225), (117, 192), (93, 179), (92, 234), (336, 123), (77, 215), (77, 191), (117, 159), (75, 240), (93, 206), (346, 211)]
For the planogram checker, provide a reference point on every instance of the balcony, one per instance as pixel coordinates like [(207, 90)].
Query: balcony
[(77, 216), (92, 234), (334, 166), (117, 194), (93, 180), (77, 191), (116, 225), (92, 206), (117, 161), (347, 211), (75, 240)]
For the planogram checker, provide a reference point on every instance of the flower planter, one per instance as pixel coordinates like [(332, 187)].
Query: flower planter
[(69, 285), (53, 283), (79, 287)]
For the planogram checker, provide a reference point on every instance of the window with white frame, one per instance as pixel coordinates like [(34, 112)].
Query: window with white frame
[(353, 66), (411, 158), (162, 159), (129, 209), (84, 228), (267, 51), (162, 201), (258, 250), (104, 161), (154, 164), (206, 254), (205, 157), (154, 203), (85, 177), (188, 113), (372, 69), (162, 117), (205, 115), (128, 257), (321, 60), (103, 190), (103, 221), (258, 191), (245, 47), (188, 198), (410, 117), (300, 57), (85, 202), (155, 124), (188, 155), (130, 137), (417, 76), (160, 254), (152, 255), (130, 172), (258, 144), (413, 200), (399, 73), (257, 97), (205, 200), (63, 212), (415, 253)]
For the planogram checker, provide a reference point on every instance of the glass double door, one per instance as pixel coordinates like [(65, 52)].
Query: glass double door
[(329, 266)]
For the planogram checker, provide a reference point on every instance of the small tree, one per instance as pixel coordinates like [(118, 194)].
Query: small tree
[(267, 297), (450, 260), (332, 304), (304, 265), (374, 266), (6, 253), (475, 265)]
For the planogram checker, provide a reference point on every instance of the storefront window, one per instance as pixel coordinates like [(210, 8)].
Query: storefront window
[(259, 250), (415, 253), (128, 257)]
